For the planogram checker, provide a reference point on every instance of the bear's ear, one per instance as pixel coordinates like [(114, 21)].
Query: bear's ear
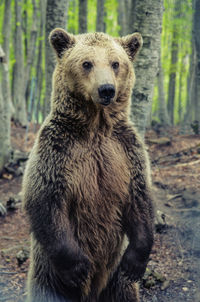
[(61, 41), (131, 44)]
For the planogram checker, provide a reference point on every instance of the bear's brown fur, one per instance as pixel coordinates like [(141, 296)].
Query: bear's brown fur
[(87, 182)]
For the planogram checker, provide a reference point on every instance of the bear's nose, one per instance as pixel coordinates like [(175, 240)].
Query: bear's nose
[(106, 91)]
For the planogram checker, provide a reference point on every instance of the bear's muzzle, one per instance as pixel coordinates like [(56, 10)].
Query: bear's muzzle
[(106, 94)]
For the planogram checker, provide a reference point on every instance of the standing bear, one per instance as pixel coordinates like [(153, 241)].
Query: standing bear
[(87, 183)]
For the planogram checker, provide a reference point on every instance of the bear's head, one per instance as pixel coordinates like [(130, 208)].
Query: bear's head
[(95, 67)]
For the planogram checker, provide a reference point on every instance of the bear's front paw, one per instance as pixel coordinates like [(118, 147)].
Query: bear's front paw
[(77, 274), (72, 268), (133, 266)]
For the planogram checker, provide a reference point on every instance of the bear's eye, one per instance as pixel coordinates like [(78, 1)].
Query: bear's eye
[(87, 65), (115, 65)]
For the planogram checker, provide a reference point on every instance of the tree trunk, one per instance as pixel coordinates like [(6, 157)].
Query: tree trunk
[(56, 16), (189, 112), (131, 14), (40, 73), (31, 51), (18, 73), (83, 16), (180, 106), (122, 17), (6, 47), (147, 17), (192, 84), (25, 29), (197, 67), (173, 64), (4, 118), (100, 24), (163, 114), (193, 98)]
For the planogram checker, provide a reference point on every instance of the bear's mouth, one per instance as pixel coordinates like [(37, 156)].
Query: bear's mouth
[(105, 101)]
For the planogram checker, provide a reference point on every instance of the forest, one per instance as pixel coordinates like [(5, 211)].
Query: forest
[(167, 70), (165, 109)]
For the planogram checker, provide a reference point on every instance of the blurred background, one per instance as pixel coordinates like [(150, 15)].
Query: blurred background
[(165, 109)]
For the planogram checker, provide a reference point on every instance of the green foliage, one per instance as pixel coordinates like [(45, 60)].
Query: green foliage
[(110, 16), (112, 26), (178, 25), (92, 14), (72, 24)]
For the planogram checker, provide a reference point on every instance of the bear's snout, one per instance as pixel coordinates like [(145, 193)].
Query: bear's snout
[(106, 93)]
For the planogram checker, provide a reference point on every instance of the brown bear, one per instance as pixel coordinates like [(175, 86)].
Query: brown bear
[(87, 182)]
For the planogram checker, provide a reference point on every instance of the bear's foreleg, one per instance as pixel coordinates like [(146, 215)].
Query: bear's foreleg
[(52, 231), (138, 213), (46, 201)]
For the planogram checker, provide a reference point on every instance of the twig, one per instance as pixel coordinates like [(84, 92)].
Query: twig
[(7, 238), (179, 165), (177, 154), (8, 273), (188, 164)]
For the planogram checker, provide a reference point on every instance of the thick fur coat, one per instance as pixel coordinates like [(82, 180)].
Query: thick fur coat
[(87, 182)]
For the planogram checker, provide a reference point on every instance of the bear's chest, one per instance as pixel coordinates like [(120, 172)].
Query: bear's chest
[(98, 172), (99, 182)]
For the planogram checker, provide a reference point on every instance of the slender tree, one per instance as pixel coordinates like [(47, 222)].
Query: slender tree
[(180, 84), (6, 47), (18, 73), (124, 17), (147, 19), (31, 50), (173, 63), (56, 16), (192, 106), (83, 10), (100, 24), (196, 27), (25, 28), (163, 114), (4, 117), (39, 67)]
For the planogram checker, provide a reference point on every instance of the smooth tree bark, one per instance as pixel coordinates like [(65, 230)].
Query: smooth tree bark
[(39, 69), (173, 63), (83, 10), (56, 16), (25, 28), (193, 97), (163, 114), (146, 18), (6, 47), (5, 114), (196, 27), (124, 9), (122, 18), (18, 73), (131, 14), (189, 112), (31, 51), (100, 24), (180, 105)]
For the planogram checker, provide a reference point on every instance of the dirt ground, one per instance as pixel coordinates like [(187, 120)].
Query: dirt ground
[(174, 268)]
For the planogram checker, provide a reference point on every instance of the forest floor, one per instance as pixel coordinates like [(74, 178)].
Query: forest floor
[(173, 271)]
